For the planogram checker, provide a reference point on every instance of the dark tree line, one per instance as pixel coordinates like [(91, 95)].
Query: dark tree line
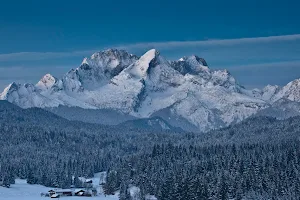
[(215, 172), (52, 151), (258, 158)]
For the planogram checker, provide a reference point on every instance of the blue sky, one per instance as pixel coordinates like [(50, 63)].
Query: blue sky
[(258, 42)]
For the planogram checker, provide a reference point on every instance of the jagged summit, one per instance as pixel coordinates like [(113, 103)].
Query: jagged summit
[(191, 64), (184, 92), (141, 67), (12, 86), (9, 89), (46, 82), (97, 70), (110, 59), (291, 91), (113, 53), (12, 89), (194, 60)]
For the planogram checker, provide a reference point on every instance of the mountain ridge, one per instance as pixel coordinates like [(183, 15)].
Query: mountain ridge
[(142, 86)]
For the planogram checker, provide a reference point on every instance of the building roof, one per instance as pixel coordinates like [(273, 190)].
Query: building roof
[(88, 181), (80, 193), (54, 196), (79, 190), (63, 190)]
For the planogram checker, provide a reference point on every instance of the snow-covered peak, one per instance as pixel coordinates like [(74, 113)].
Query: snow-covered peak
[(140, 68), (198, 64), (14, 89), (291, 91), (149, 56), (46, 82), (269, 91), (12, 86), (8, 90), (151, 53), (185, 90), (195, 60), (110, 59), (293, 84), (24, 95), (99, 69), (156, 72), (85, 61), (225, 79), (191, 65), (112, 53)]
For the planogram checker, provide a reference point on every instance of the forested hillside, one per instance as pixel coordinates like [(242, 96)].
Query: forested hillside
[(256, 159), (259, 157), (49, 150)]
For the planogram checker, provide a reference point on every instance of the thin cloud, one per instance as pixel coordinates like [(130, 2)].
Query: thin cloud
[(285, 64), (214, 42), (33, 56)]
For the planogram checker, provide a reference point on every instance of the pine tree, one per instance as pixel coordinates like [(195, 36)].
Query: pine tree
[(123, 191), (77, 182), (30, 177), (167, 188)]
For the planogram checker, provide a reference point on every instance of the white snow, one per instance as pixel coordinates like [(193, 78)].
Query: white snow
[(206, 98), (195, 64), (150, 197), (96, 181), (291, 91), (46, 82), (23, 191), (140, 68), (269, 91)]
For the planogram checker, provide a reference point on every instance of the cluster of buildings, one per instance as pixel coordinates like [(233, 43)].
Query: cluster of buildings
[(70, 192), (83, 192)]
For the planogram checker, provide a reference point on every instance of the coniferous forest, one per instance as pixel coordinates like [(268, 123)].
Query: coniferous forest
[(258, 158)]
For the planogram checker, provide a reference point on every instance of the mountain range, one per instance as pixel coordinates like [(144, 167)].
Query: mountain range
[(114, 86)]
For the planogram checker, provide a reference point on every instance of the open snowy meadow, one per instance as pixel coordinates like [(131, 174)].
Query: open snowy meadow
[(23, 191)]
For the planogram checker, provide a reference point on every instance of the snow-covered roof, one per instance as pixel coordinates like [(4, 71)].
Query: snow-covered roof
[(54, 196), (80, 193), (79, 190), (89, 181)]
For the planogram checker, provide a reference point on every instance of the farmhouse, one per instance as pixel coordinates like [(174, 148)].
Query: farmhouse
[(51, 192), (64, 192), (57, 193), (85, 193)]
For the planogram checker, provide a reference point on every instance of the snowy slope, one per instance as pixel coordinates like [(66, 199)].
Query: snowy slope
[(281, 109), (23, 191), (273, 93), (291, 91), (145, 86)]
